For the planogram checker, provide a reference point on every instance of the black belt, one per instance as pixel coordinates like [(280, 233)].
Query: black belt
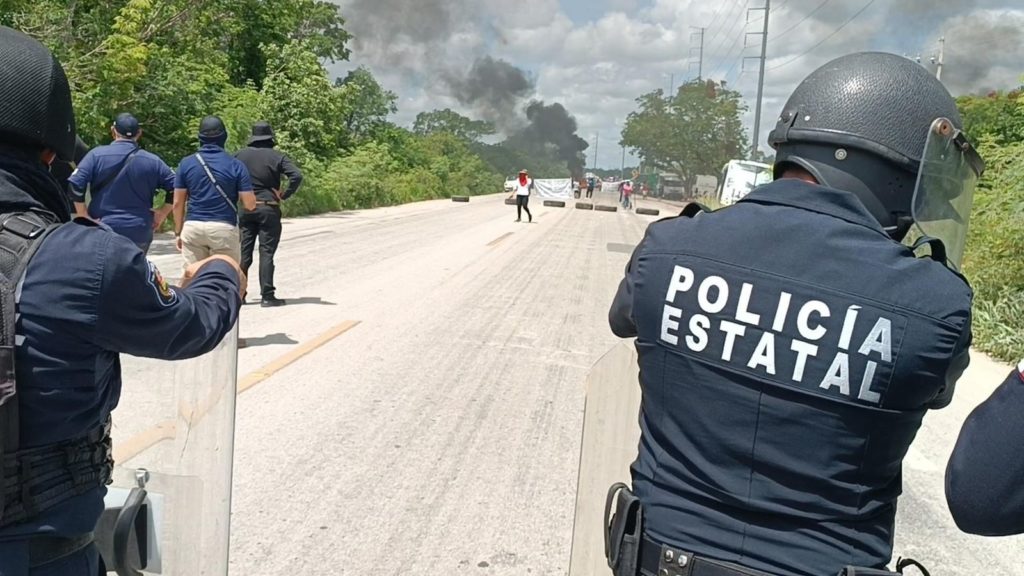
[(43, 550), (267, 203), (37, 479), (662, 560)]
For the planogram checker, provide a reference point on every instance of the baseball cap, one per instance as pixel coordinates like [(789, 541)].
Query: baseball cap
[(126, 125), (35, 98)]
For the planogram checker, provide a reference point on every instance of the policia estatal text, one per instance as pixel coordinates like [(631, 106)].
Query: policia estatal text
[(790, 345)]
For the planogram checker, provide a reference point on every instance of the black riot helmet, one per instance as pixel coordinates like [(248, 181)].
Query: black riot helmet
[(35, 98), (860, 123)]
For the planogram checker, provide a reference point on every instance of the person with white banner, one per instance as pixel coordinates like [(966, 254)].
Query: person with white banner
[(521, 190)]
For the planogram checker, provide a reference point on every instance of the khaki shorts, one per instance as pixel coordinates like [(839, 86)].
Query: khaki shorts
[(200, 240)]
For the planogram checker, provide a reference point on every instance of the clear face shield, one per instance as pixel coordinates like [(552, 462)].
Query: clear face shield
[(944, 195)]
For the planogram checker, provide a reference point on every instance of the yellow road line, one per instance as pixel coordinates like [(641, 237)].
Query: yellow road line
[(166, 430), (281, 362)]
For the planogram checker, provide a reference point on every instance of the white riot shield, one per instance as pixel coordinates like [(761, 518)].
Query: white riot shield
[(611, 433), (169, 507)]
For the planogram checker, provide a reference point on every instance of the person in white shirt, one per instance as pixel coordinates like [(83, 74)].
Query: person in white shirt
[(521, 190)]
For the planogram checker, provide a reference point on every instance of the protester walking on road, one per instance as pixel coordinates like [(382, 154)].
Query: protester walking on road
[(521, 191), (207, 189), (122, 179), (627, 194), (266, 166)]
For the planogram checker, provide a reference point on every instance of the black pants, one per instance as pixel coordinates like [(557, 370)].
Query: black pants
[(590, 191), (523, 203), (264, 222)]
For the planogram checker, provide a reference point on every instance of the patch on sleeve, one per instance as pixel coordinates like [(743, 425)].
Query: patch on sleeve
[(164, 292)]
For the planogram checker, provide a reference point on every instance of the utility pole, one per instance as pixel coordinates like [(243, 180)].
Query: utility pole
[(942, 55), (700, 57), (622, 170), (596, 144), (760, 80), (671, 87)]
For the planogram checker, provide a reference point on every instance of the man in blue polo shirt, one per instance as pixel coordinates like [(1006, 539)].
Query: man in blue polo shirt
[(123, 179), (209, 184)]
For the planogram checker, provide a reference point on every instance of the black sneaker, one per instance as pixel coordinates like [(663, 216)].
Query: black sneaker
[(271, 302)]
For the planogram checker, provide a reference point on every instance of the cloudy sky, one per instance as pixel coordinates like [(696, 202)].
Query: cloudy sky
[(488, 58)]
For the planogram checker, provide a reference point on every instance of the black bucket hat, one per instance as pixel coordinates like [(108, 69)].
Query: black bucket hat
[(261, 132)]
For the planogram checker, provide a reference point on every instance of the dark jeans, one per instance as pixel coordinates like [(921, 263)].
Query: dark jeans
[(523, 203), (263, 222)]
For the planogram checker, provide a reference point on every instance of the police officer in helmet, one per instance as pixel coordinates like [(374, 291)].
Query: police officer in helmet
[(790, 345), (73, 296)]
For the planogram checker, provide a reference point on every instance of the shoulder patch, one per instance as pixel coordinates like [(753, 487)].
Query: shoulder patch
[(164, 292)]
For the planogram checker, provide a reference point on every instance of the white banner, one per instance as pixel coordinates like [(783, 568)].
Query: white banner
[(560, 188)]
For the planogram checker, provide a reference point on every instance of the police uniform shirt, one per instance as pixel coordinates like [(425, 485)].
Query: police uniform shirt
[(985, 475), (205, 203), (266, 166), (125, 203), (87, 296), (788, 351)]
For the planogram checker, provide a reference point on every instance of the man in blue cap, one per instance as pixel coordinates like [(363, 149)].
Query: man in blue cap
[(123, 178), (73, 296), (210, 184)]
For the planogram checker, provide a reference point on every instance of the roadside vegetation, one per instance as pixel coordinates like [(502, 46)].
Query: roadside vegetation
[(994, 262)]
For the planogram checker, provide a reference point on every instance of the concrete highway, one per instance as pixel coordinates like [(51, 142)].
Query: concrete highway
[(417, 407)]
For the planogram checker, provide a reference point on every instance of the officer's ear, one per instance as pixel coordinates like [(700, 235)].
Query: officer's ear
[(47, 156)]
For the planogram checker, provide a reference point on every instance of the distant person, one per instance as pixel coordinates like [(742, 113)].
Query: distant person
[(590, 187), (521, 190), (627, 193), (266, 167), (122, 179), (207, 189)]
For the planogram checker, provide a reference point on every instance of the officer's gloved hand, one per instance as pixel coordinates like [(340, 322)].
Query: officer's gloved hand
[(194, 268)]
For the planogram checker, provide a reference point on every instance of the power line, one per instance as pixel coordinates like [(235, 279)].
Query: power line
[(804, 19), (736, 58), (728, 53), (825, 39), (725, 39)]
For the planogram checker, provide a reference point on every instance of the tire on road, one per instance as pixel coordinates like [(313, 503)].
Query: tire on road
[(510, 201), (460, 198), (584, 206), (554, 203), (606, 208), (648, 211)]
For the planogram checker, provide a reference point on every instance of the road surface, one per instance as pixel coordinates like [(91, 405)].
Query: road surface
[(417, 408)]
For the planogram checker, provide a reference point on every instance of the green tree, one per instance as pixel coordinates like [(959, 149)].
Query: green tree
[(452, 122), (997, 114), (695, 132), (364, 105)]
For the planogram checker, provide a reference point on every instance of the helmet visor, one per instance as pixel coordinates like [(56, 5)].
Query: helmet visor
[(944, 195)]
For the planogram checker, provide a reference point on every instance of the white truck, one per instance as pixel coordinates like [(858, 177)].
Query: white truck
[(739, 177)]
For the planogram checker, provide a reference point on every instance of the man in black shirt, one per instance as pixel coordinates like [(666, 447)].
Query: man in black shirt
[(266, 166)]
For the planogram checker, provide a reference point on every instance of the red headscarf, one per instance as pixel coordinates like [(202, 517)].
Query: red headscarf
[(522, 178)]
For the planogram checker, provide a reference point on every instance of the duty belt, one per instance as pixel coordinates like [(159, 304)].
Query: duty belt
[(37, 479), (663, 560), (267, 203)]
